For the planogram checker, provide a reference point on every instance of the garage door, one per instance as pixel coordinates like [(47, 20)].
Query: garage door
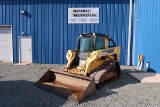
[(6, 51)]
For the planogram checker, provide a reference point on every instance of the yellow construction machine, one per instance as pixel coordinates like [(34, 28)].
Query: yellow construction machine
[(91, 65)]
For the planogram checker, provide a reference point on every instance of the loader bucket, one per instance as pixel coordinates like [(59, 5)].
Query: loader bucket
[(67, 85)]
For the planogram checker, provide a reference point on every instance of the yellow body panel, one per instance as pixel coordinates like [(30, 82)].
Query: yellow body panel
[(93, 61), (106, 43), (96, 58)]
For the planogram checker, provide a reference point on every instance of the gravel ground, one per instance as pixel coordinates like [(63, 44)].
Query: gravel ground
[(17, 90)]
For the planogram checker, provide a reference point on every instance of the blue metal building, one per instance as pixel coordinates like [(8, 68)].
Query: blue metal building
[(133, 24), (46, 21), (147, 33)]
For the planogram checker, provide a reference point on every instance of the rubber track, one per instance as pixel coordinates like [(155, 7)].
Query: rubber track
[(106, 72)]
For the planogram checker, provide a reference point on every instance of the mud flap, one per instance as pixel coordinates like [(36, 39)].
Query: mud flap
[(67, 85)]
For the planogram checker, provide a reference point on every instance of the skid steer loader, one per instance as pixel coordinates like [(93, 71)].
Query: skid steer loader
[(90, 66)]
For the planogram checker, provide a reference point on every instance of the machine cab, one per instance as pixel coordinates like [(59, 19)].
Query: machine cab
[(90, 42)]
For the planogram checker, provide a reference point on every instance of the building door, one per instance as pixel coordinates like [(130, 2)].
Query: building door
[(6, 50), (25, 49)]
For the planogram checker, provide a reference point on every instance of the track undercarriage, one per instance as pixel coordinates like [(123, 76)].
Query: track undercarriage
[(108, 71)]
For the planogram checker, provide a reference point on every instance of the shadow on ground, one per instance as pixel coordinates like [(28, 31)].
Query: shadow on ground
[(108, 89), (145, 76), (24, 94), (151, 70)]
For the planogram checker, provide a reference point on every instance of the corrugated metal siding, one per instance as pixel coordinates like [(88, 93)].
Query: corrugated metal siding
[(46, 21), (147, 32)]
